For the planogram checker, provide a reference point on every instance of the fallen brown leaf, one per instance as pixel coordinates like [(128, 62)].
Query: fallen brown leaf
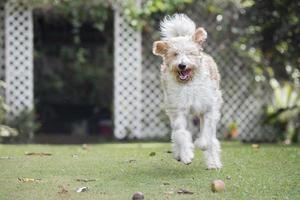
[(37, 154), (132, 161), (85, 180), (169, 192), (28, 180), (152, 153), (184, 191), (255, 146), (74, 156), (62, 189), (5, 157)]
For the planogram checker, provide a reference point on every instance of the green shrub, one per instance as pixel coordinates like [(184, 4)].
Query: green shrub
[(284, 111), (6, 132)]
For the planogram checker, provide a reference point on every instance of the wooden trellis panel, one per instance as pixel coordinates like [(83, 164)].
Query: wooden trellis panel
[(127, 79), (244, 99), (2, 53), (18, 57), (154, 119)]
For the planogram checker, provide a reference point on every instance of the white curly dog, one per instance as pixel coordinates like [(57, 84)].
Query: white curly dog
[(190, 81)]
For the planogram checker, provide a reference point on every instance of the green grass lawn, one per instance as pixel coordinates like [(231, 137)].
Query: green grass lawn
[(120, 169)]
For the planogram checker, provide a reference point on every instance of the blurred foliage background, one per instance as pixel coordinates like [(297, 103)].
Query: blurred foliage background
[(73, 61), (74, 53), (267, 35)]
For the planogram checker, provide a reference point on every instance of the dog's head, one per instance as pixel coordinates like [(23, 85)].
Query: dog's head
[(181, 54)]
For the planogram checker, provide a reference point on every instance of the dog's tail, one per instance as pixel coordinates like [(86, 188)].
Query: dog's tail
[(176, 25)]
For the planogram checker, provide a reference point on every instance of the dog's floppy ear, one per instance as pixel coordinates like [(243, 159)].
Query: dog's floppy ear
[(200, 35), (160, 48)]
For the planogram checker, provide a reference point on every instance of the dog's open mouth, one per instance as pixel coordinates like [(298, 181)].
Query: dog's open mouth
[(184, 74)]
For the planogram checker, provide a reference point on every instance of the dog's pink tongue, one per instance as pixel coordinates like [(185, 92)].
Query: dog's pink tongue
[(185, 72)]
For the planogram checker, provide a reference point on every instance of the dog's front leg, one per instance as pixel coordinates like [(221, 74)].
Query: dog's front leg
[(208, 141), (182, 140)]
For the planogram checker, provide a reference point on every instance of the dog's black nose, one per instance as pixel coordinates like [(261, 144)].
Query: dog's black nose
[(182, 66)]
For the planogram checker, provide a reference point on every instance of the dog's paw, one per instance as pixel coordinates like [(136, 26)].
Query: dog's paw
[(212, 160), (201, 144), (186, 160), (186, 155), (214, 166)]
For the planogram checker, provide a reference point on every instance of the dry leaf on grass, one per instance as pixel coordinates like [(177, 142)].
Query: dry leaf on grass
[(37, 154), (152, 154), (5, 157), (255, 146), (74, 156), (85, 180), (62, 190), (82, 189), (184, 191), (170, 192), (29, 180)]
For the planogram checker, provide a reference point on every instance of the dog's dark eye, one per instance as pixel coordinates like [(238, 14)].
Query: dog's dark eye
[(175, 54)]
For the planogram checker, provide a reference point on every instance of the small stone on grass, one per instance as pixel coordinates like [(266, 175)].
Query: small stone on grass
[(138, 196), (217, 186)]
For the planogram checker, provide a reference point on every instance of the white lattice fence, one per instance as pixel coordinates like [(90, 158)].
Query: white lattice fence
[(127, 79), (154, 119), (244, 99), (18, 57), (2, 53)]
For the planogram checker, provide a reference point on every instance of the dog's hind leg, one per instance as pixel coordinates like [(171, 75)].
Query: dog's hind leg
[(183, 148)]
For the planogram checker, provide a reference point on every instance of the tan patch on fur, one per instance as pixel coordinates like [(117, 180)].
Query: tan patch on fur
[(160, 48), (200, 35), (169, 56), (213, 69), (163, 68)]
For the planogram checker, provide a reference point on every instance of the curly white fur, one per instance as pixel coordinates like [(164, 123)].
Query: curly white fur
[(176, 25), (199, 96)]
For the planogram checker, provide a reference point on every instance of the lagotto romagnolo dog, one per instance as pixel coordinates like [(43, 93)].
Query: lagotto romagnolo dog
[(190, 81)]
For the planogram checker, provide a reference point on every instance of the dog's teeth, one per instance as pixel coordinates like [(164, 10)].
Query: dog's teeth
[(183, 77)]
